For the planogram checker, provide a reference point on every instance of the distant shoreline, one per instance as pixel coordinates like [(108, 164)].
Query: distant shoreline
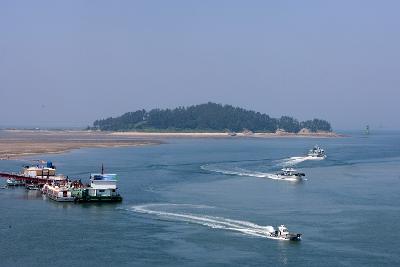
[(151, 135), (15, 144), (227, 135)]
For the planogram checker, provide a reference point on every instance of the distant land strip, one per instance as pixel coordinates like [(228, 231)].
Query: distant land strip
[(162, 135), (15, 144)]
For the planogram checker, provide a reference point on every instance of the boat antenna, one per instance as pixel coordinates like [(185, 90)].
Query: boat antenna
[(102, 168)]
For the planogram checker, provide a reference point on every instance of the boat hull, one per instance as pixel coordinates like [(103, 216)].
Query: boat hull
[(289, 237), (99, 199), (316, 157), (61, 199), (292, 178), (295, 237)]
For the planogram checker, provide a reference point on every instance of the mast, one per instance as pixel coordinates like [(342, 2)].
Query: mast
[(367, 130)]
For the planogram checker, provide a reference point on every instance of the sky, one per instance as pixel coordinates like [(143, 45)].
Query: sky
[(68, 63)]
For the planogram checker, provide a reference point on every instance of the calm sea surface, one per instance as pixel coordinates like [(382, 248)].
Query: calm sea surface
[(198, 203)]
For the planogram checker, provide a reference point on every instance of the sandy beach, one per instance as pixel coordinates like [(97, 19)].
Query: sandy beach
[(18, 143), (15, 144)]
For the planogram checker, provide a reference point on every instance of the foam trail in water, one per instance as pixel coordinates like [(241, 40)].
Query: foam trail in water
[(296, 160), (236, 171), (292, 161), (244, 172), (214, 222)]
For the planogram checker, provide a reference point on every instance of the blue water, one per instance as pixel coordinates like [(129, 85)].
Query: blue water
[(197, 202)]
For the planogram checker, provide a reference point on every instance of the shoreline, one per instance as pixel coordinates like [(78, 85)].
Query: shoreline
[(16, 144), (226, 135)]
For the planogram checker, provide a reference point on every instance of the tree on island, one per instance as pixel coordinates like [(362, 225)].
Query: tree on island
[(206, 117)]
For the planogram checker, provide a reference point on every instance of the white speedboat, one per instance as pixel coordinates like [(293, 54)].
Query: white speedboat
[(288, 174), (283, 234), (15, 182), (316, 153)]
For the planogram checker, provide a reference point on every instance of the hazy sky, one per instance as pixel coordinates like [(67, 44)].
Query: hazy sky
[(67, 63)]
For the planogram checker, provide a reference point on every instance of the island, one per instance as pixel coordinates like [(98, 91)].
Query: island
[(210, 118)]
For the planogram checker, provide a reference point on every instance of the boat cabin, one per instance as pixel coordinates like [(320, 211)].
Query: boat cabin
[(283, 230), (316, 151), (44, 171), (103, 185), (289, 171)]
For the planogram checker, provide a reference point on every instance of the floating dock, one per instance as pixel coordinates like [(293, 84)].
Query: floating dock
[(102, 187)]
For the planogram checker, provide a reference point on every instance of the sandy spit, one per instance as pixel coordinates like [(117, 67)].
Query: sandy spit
[(15, 144)]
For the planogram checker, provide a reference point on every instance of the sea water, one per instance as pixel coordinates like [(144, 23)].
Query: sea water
[(207, 202)]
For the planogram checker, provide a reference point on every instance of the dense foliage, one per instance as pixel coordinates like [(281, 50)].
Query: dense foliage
[(316, 125), (206, 117)]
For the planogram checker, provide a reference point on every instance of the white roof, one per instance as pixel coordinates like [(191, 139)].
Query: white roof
[(103, 186), (39, 168)]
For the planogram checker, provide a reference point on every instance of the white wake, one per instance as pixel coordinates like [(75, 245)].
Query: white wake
[(214, 222), (236, 171), (292, 161), (288, 162), (244, 172)]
